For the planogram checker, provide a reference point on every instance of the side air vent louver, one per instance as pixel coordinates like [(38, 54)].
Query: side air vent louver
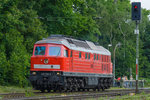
[(70, 41), (81, 44)]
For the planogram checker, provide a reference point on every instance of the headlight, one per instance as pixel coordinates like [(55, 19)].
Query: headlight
[(33, 73), (58, 73), (45, 61)]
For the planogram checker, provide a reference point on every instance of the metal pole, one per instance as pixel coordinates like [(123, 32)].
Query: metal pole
[(114, 62), (114, 66), (137, 55)]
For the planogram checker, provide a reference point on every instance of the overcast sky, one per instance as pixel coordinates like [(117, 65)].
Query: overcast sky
[(144, 3)]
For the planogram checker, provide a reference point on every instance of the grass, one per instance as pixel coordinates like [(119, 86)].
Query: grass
[(14, 89), (113, 88), (147, 82), (141, 96)]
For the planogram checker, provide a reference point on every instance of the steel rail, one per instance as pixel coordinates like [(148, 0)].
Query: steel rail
[(73, 95)]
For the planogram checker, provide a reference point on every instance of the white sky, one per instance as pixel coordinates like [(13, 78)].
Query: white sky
[(144, 3)]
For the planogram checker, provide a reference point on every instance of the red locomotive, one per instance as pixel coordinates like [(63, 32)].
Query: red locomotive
[(63, 63)]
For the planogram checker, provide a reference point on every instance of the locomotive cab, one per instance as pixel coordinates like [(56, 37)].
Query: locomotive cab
[(48, 57), (47, 64)]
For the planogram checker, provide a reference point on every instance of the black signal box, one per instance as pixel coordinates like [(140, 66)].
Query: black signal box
[(136, 10)]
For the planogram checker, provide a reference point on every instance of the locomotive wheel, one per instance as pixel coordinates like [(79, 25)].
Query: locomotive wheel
[(102, 84), (79, 89), (76, 85), (54, 90), (65, 89), (60, 89), (103, 89), (105, 83), (110, 82), (94, 89), (42, 90), (70, 87), (48, 90), (76, 89), (98, 88), (88, 89)]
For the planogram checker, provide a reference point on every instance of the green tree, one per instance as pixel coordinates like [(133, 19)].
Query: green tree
[(19, 31)]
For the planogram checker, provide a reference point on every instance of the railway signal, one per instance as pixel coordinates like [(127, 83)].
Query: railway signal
[(136, 16), (136, 11)]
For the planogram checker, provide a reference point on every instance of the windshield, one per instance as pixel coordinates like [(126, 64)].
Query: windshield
[(54, 51), (40, 50)]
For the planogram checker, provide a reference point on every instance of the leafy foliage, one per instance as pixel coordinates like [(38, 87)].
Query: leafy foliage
[(24, 22)]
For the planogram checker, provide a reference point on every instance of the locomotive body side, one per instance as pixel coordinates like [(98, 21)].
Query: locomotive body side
[(55, 65)]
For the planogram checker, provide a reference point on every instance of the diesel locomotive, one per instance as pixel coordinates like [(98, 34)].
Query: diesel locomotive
[(63, 63)]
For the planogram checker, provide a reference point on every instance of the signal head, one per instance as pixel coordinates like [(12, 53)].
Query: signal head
[(135, 7), (136, 11)]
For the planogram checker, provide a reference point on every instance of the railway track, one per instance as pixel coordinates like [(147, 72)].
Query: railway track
[(70, 95)]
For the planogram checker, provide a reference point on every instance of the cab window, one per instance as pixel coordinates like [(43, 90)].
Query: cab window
[(40, 50), (65, 53), (54, 51)]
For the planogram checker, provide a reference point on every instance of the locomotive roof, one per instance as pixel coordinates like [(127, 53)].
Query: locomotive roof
[(75, 44)]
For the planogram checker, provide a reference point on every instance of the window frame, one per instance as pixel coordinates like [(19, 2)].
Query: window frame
[(97, 57), (80, 55), (60, 52), (71, 53), (89, 56), (65, 54), (94, 56), (86, 56), (39, 46)]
